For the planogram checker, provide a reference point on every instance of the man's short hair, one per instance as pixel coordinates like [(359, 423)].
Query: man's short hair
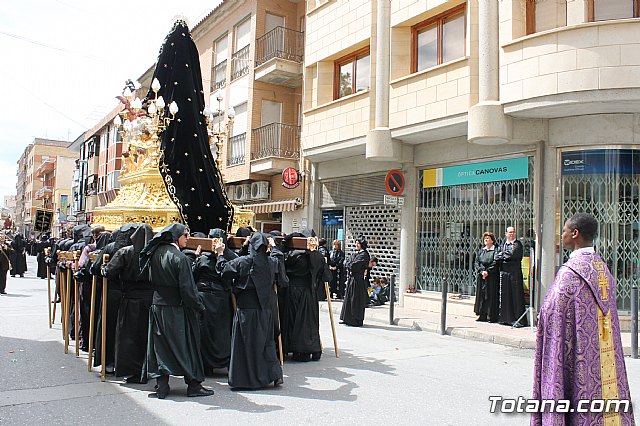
[(585, 223), (374, 259)]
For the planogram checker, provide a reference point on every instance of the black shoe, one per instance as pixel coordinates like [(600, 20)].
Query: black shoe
[(3, 292), (482, 319), (517, 325), (300, 357), (277, 383), (315, 356), (199, 391), (133, 380)]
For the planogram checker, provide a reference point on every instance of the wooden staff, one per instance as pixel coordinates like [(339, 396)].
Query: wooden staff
[(62, 299), (55, 296), (275, 288), (67, 308), (103, 349), (94, 283), (47, 251), (333, 326), (76, 304)]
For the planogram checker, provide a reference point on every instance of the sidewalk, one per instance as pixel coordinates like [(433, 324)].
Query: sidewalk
[(457, 326)]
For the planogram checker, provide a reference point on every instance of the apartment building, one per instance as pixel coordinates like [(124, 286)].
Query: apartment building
[(43, 189), (498, 113), (251, 55)]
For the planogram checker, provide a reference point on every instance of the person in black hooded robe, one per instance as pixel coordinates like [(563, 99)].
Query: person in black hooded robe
[(133, 314), (40, 256), (356, 297), (307, 271), (215, 324), (19, 256), (120, 238), (254, 360), (173, 346), (84, 277)]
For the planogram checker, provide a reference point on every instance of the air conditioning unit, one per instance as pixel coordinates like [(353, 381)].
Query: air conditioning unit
[(243, 192), (259, 190), (231, 192)]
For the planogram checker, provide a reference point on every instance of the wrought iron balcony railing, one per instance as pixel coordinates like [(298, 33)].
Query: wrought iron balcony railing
[(240, 63), (237, 148), (283, 43), (219, 76), (275, 140)]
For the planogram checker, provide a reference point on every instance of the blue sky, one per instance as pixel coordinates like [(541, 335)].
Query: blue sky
[(64, 61)]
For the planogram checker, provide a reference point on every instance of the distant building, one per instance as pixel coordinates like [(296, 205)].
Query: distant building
[(45, 170)]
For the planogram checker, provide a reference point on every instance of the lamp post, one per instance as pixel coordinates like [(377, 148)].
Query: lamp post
[(217, 129)]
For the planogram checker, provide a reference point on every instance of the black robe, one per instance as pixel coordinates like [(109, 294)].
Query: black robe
[(487, 291), (42, 266), (5, 264), (119, 239), (254, 361), (19, 256), (336, 260), (174, 332), (132, 328), (300, 321), (511, 283), (356, 297), (216, 323)]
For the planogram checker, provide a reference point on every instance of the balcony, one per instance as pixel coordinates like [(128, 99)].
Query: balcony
[(240, 63), (47, 166), (44, 192), (274, 147), (219, 77), (279, 57), (237, 149)]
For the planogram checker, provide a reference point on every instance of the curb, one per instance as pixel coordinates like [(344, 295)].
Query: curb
[(459, 332)]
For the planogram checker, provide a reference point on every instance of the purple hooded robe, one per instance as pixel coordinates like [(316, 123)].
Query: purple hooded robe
[(578, 347)]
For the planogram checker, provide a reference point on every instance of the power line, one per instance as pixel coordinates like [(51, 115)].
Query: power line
[(48, 46)]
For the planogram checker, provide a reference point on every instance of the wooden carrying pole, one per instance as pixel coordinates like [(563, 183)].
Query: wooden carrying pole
[(92, 315), (333, 326), (280, 352), (67, 291), (76, 303), (55, 296), (103, 348), (62, 300), (46, 253)]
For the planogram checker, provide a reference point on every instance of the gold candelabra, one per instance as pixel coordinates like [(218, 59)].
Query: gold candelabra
[(142, 197), (216, 129), (140, 128)]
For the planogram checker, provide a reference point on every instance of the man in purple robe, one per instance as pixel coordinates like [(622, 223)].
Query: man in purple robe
[(578, 347)]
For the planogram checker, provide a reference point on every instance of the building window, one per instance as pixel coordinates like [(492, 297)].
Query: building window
[(543, 16), (439, 39), (240, 60), (219, 67), (605, 10), (352, 73)]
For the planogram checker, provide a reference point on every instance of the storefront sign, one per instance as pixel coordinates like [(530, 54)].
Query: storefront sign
[(488, 171), (613, 161), (290, 178)]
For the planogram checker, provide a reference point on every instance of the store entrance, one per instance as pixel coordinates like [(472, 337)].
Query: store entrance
[(452, 219), (606, 183)]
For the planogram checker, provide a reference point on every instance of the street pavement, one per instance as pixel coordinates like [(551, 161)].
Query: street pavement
[(386, 374)]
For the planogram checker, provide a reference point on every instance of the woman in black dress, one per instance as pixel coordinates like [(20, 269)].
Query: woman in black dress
[(487, 280), (336, 266), (356, 297)]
